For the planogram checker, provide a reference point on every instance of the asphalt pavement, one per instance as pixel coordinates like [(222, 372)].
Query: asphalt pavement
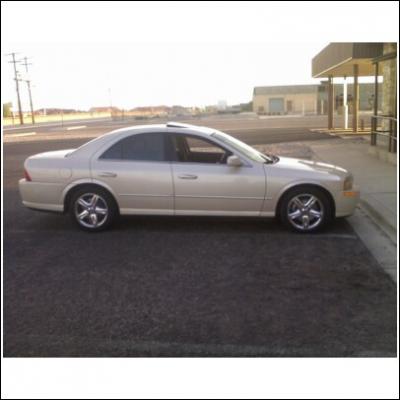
[(252, 129), (161, 286)]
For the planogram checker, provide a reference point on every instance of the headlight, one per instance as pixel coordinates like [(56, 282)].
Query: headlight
[(348, 183)]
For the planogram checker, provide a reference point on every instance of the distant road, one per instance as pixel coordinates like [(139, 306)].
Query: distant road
[(44, 125), (252, 131), (222, 122), (249, 128)]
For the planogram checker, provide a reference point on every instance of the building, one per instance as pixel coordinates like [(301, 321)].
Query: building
[(307, 99), (363, 59), (279, 100)]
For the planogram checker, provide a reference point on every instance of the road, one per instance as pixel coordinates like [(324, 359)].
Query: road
[(156, 286), (255, 130)]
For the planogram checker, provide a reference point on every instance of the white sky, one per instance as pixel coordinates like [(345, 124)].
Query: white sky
[(162, 54)]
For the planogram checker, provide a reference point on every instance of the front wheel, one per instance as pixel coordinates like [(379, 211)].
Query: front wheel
[(93, 209), (305, 209)]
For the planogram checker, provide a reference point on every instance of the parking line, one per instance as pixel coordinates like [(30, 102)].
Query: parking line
[(338, 236), (71, 128), (21, 134)]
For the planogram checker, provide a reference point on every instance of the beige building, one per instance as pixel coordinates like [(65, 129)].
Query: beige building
[(280, 100), (310, 99)]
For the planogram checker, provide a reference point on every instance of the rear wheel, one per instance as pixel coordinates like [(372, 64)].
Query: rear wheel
[(93, 209), (305, 209)]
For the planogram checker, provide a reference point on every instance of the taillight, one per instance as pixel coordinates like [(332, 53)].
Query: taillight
[(27, 176)]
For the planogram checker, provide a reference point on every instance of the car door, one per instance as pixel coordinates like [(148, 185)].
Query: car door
[(204, 183), (138, 172)]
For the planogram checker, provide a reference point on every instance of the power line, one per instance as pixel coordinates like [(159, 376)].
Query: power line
[(21, 117), (28, 83)]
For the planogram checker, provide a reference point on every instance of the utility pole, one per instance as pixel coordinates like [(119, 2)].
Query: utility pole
[(21, 117), (28, 83)]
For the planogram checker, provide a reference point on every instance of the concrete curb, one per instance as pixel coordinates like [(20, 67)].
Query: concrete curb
[(380, 220), (381, 246), (341, 132)]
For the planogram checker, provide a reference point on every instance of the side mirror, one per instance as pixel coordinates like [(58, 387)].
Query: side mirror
[(234, 161)]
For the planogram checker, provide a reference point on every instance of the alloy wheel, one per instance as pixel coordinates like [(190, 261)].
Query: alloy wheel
[(91, 210), (305, 212)]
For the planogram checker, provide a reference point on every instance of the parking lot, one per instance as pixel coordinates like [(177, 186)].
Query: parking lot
[(161, 286)]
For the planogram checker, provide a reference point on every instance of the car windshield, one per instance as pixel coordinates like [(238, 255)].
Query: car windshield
[(244, 148)]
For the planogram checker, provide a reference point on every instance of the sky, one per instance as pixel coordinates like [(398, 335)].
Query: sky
[(132, 55), (136, 74)]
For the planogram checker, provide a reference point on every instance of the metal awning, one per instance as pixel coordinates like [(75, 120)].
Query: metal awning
[(338, 59)]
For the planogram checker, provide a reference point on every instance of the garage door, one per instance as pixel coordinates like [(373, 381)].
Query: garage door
[(276, 105)]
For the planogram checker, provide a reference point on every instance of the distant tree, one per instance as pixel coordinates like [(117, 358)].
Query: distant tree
[(7, 110)]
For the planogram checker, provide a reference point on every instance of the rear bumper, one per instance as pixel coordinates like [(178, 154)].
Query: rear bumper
[(346, 202), (41, 196)]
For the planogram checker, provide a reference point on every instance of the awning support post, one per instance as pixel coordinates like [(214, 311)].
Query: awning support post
[(356, 98), (345, 107), (330, 102)]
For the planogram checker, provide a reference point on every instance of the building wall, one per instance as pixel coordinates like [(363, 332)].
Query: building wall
[(301, 102), (389, 82), (366, 94), (317, 102)]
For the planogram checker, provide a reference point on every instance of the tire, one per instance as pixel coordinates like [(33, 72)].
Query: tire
[(93, 209), (305, 209)]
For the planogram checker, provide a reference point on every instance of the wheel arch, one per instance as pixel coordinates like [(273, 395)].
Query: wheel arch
[(307, 185), (72, 188)]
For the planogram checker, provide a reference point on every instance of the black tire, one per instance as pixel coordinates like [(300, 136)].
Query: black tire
[(105, 201), (322, 205)]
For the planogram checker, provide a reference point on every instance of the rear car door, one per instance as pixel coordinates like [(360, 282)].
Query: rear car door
[(138, 172)]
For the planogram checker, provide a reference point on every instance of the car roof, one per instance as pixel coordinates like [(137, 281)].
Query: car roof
[(91, 146), (165, 128)]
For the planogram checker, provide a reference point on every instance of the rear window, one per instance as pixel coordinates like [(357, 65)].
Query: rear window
[(140, 147)]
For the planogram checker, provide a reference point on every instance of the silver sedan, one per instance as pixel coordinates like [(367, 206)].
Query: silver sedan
[(179, 169)]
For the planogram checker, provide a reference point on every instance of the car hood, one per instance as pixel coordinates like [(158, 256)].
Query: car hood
[(309, 167)]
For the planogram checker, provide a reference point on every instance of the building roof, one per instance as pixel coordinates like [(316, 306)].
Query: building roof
[(285, 89), (338, 59)]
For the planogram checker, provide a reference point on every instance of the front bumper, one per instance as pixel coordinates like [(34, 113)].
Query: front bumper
[(346, 202)]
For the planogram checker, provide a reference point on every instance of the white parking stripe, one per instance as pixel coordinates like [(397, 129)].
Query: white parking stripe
[(71, 128), (338, 236), (21, 134)]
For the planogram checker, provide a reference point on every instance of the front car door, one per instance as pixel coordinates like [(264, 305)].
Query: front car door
[(138, 172), (204, 183)]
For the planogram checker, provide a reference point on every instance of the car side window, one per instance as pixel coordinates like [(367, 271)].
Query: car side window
[(140, 147), (190, 148)]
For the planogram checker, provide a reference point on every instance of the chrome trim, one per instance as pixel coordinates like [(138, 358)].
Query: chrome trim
[(107, 174), (191, 196), (220, 197), (187, 176), (145, 195)]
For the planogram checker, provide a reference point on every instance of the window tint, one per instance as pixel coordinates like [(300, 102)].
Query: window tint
[(141, 147), (113, 153)]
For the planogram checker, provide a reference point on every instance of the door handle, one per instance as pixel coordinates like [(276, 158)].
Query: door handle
[(108, 174), (187, 176)]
